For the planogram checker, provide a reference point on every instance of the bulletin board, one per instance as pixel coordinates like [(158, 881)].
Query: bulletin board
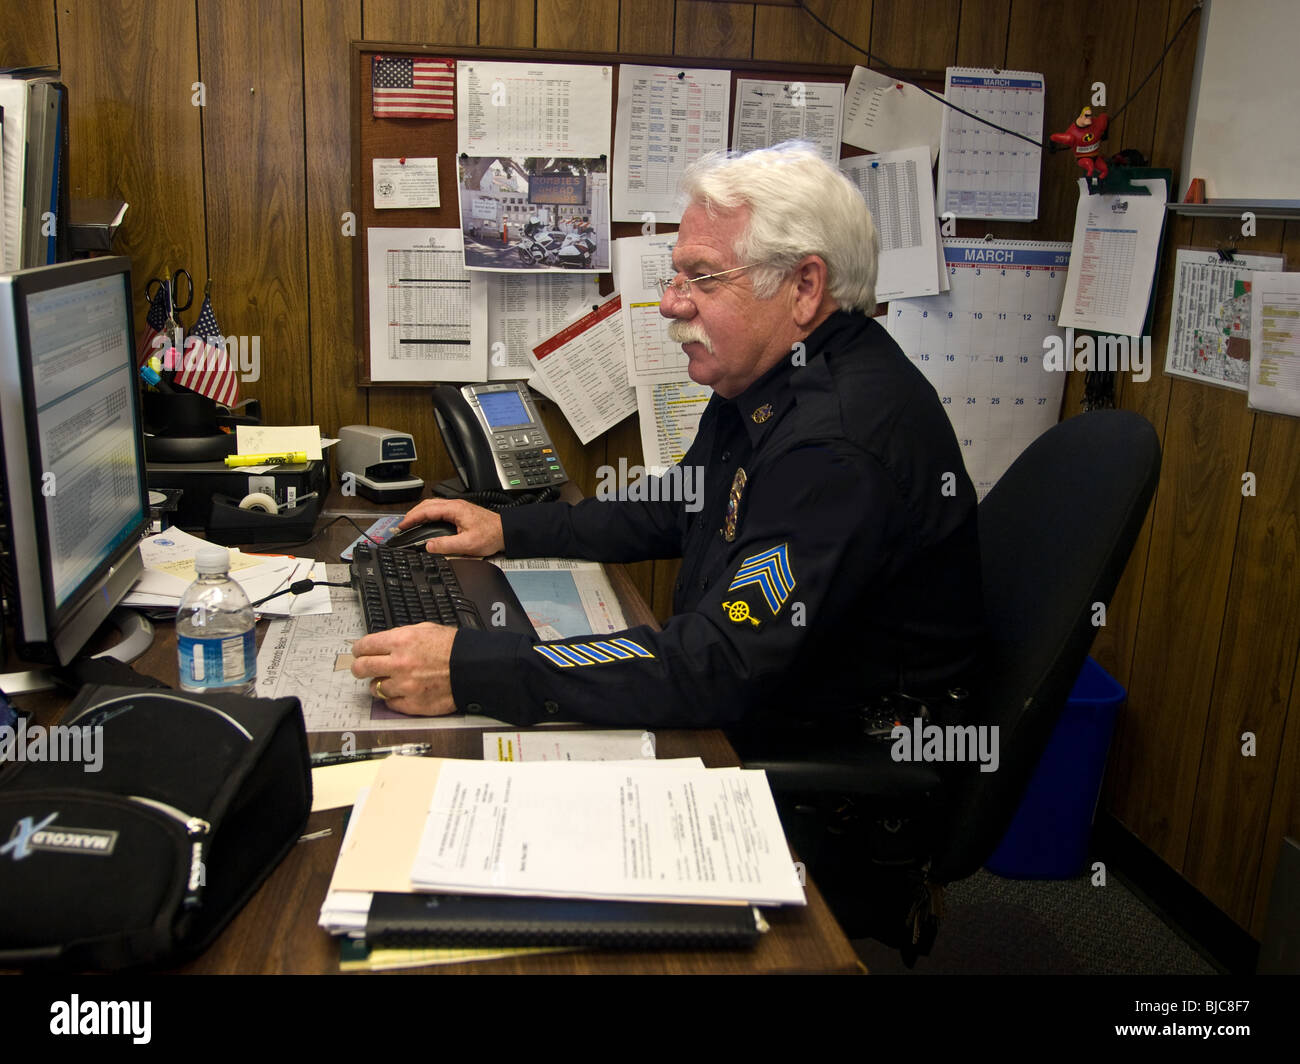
[(395, 138)]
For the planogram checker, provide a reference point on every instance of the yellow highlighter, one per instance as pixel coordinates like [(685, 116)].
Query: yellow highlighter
[(281, 458)]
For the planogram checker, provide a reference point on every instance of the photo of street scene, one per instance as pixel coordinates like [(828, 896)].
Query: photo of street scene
[(534, 215)]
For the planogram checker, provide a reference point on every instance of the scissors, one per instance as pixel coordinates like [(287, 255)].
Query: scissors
[(154, 283)]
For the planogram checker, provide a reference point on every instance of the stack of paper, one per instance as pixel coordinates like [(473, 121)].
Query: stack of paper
[(644, 830), (34, 108), (169, 569), (13, 167)]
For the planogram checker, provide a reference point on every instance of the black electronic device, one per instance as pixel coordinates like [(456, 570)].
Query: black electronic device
[(73, 503), (400, 587), (495, 438), (201, 481), (419, 535)]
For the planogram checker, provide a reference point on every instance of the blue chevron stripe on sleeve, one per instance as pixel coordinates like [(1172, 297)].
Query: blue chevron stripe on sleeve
[(771, 573)]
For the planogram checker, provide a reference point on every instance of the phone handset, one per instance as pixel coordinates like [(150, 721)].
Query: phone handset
[(465, 442)]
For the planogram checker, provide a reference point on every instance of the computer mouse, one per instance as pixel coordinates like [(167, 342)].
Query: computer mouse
[(419, 535)]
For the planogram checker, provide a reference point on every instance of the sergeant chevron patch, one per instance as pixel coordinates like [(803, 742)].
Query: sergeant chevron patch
[(770, 573), (597, 652)]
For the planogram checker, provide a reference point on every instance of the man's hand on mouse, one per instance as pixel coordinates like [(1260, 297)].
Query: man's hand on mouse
[(409, 668), (478, 531)]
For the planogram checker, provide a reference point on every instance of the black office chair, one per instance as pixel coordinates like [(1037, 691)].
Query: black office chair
[(882, 838)]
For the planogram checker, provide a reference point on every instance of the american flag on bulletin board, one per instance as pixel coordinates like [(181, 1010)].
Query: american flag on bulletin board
[(413, 88)]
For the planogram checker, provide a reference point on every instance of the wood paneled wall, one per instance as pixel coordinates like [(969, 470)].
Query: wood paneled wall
[(251, 189)]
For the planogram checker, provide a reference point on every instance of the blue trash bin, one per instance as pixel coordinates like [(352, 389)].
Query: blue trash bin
[(1049, 836)]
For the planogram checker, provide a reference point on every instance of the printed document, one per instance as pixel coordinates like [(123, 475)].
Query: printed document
[(1209, 323), (898, 190), (1275, 343), (639, 261), (405, 183), (584, 371), (1113, 260), (533, 745), (670, 413), (172, 553), (667, 118), (533, 109), (426, 322), (523, 309), (769, 112), (598, 830), (882, 113)]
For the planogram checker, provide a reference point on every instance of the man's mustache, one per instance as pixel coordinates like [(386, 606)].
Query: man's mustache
[(689, 332)]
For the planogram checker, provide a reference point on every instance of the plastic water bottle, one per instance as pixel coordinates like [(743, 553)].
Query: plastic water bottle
[(215, 637)]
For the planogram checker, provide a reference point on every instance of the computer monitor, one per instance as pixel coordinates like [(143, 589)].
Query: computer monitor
[(73, 501)]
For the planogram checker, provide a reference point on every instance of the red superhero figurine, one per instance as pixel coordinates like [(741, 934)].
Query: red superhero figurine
[(1085, 137)]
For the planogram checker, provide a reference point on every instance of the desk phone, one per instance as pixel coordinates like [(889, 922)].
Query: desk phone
[(495, 438)]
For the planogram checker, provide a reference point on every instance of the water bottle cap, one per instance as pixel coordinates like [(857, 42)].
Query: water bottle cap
[(212, 560)]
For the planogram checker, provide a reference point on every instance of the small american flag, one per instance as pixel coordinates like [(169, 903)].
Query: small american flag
[(207, 367), (413, 88), (156, 320)]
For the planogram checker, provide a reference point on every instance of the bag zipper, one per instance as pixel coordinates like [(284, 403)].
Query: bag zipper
[(197, 829), (170, 696)]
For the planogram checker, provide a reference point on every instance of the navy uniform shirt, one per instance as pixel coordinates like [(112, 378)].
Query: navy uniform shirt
[(835, 556)]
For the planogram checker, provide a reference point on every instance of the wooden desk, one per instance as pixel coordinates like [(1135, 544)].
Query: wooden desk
[(276, 931)]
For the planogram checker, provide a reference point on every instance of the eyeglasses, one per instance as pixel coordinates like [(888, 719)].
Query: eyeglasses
[(682, 289)]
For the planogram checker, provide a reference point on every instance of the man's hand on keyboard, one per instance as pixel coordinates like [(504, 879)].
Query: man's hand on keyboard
[(409, 668), (478, 530)]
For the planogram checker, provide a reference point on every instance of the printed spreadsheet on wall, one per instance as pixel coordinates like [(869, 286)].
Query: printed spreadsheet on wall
[(981, 345)]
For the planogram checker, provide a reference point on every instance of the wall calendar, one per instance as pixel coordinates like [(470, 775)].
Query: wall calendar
[(981, 345)]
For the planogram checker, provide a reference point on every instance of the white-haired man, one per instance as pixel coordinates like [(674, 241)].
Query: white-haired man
[(835, 555)]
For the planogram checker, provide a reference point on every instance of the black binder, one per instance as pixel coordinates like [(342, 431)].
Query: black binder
[(469, 920)]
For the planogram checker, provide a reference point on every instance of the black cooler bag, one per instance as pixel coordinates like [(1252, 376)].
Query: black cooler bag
[(143, 862)]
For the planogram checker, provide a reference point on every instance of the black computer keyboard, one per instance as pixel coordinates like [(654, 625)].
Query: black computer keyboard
[(402, 585)]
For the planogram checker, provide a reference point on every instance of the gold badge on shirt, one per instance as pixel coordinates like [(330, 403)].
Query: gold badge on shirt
[(761, 414), (732, 517)]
